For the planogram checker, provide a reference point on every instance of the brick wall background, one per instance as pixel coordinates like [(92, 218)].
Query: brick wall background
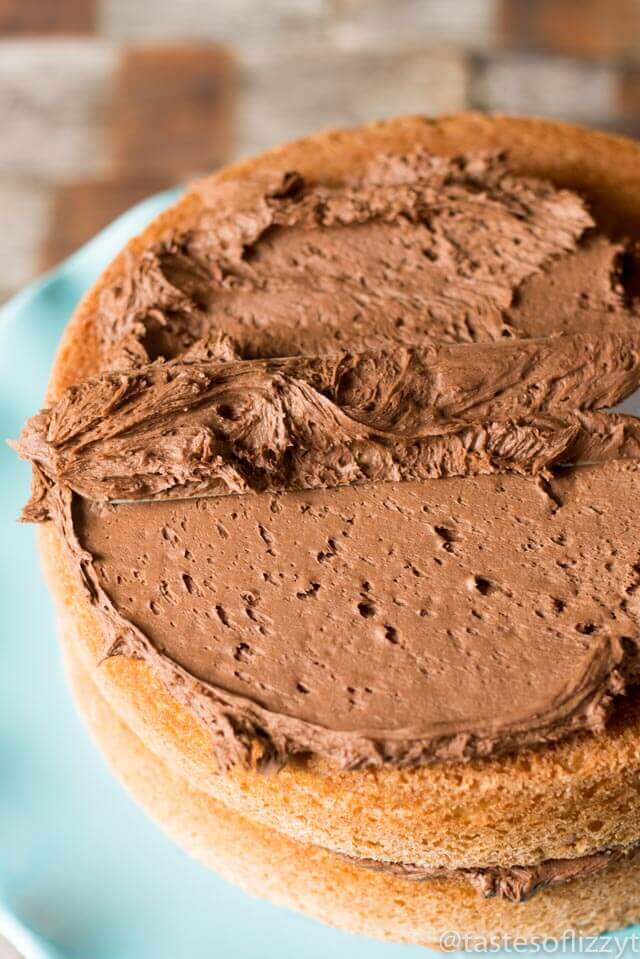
[(105, 101)]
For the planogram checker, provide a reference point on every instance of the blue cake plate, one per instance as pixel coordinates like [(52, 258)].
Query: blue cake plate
[(83, 873)]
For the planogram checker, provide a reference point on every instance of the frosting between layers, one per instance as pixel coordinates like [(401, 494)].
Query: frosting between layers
[(400, 368), (512, 883)]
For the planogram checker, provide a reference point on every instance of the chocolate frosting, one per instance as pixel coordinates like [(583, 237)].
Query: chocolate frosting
[(421, 248), (346, 480), (512, 883), (205, 427)]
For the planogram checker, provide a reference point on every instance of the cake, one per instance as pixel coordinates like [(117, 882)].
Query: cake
[(341, 524)]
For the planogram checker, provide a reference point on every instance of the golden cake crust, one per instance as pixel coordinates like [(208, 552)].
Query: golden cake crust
[(320, 884), (558, 802)]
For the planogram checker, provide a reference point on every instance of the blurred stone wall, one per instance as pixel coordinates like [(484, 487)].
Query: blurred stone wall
[(105, 101)]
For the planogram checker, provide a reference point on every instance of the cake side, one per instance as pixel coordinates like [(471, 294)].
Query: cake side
[(319, 884)]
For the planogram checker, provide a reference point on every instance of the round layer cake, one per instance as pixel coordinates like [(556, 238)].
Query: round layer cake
[(341, 525)]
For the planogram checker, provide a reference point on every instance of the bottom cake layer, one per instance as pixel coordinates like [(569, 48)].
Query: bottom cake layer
[(439, 913)]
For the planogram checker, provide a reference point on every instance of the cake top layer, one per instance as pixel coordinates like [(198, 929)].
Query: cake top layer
[(346, 481)]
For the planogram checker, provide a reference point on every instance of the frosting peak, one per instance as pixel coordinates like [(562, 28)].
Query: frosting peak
[(199, 426)]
